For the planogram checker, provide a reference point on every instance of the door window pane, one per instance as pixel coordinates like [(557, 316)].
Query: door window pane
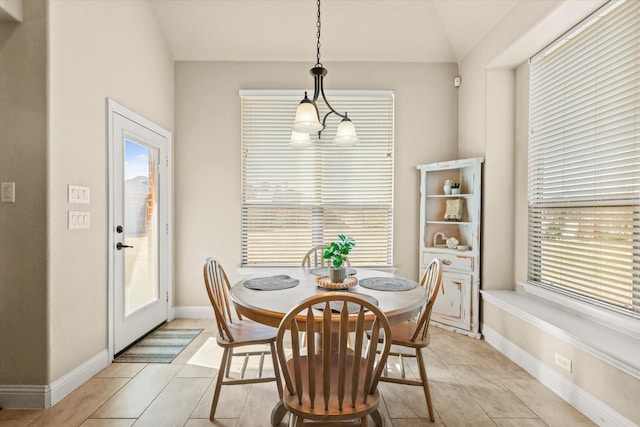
[(140, 227)]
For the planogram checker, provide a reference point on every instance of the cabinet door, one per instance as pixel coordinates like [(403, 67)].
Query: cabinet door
[(453, 307)]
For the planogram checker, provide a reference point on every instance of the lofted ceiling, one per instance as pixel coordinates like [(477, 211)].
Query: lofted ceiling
[(352, 30)]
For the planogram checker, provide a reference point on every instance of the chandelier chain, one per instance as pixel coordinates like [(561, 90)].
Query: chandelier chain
[(307, 115), (318, 25)]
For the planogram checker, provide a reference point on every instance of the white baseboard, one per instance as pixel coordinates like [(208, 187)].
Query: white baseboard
[(194, 312), (25, 396), (44, 396), (594, 409), (83, 373)]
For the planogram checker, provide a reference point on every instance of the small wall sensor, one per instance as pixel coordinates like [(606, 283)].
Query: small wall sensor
[(457, 81)]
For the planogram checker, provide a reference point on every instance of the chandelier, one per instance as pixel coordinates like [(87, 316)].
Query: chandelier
[(307, 115)]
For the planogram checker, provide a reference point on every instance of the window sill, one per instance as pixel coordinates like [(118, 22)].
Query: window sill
[(620, 349)]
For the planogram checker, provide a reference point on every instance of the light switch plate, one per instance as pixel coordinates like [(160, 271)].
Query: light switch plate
[(8, 192), (79, 194), (78, 220)]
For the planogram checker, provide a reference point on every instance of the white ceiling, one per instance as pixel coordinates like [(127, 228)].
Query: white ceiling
[(352, 30)]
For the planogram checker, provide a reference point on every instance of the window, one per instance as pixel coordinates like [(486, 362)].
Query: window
[(584, 161), (296, 198)]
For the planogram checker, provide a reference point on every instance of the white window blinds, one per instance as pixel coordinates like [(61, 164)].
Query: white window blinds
[(295, 198), (584, 161)]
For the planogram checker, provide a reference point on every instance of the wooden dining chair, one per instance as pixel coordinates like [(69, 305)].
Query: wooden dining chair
[(235, 332), (313, 258), (413, 335), (325, 379)]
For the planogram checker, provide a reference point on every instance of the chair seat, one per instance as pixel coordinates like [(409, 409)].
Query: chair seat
[(333, 412), (401, 335), (246, 332)]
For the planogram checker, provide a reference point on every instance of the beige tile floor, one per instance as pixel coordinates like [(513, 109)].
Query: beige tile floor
[(471, 384)]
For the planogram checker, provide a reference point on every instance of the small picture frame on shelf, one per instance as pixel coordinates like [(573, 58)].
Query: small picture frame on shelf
[(454, 210)]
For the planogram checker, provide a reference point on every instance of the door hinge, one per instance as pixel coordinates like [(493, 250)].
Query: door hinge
[(167, 296), (167, 229)]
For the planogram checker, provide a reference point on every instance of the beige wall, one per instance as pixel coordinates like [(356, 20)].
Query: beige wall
[(520, 187), (23, 232), (494, 123), (53, 298), (487, 105), (207, 151), (98, 50), (11, 10)]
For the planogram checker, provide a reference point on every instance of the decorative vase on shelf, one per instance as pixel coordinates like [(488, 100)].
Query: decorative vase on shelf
[(455, 190), (447, 186)]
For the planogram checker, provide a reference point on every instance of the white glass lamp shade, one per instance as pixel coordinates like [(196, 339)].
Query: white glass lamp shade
[(346, 134), (307, 118), (300, 140)]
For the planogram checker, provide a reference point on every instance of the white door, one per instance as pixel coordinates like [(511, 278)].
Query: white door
[(139, 226)]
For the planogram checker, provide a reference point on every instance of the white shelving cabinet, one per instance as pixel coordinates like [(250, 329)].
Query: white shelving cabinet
[(456, 309)]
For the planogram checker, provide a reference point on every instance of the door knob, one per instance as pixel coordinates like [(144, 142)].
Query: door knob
[(119, 246)]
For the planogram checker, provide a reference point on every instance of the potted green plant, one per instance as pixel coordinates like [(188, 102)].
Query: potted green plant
[(337, 252)]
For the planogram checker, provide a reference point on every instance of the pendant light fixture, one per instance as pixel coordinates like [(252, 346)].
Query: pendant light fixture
[(307, 115)]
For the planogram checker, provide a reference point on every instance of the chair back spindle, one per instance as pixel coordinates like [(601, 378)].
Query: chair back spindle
[(338, 377)]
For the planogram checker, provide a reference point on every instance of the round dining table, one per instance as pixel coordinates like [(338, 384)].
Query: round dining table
[(270, 306)]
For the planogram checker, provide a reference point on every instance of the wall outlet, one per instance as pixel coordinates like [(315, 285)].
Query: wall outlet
[(563, 362)]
